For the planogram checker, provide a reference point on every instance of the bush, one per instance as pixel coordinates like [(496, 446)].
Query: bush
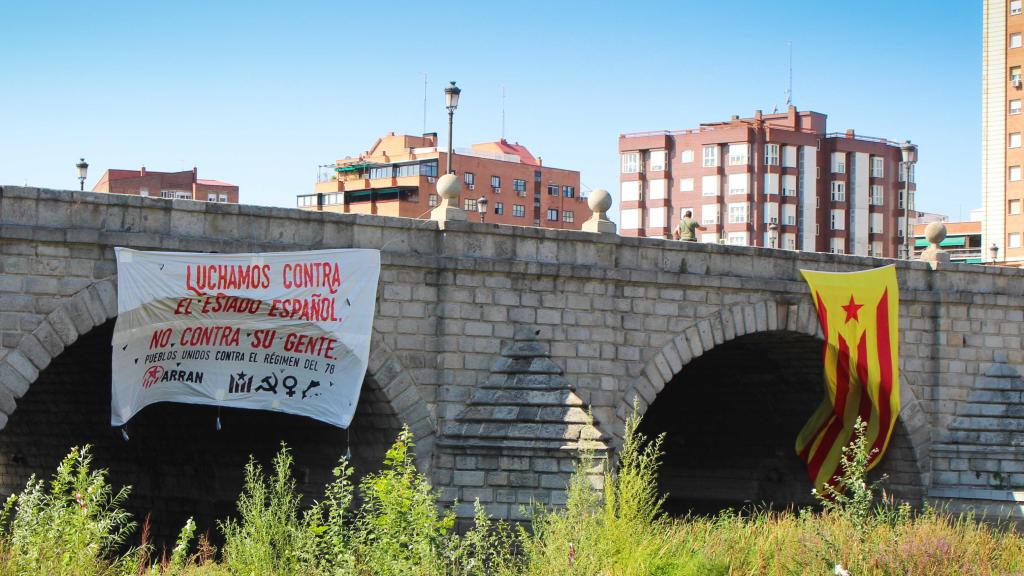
[(269, 538), (399, 530), (70, 527)]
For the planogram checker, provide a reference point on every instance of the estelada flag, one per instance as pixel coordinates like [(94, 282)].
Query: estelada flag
[(858, 312)]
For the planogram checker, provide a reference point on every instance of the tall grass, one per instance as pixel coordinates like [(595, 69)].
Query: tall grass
[(391, 525)]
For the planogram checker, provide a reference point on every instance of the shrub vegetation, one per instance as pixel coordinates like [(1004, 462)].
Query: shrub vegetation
[(611, 525)]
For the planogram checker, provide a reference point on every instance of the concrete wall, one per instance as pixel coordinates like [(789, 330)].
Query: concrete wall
[(621, 316)]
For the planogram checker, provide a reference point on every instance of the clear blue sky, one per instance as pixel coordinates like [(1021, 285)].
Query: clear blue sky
[(259, 93)]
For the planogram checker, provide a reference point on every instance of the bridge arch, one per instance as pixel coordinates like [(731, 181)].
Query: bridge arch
[(60, 376), (770, 329)]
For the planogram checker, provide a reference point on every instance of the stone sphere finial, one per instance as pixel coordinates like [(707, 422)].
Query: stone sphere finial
[(599, 201), (448, 187), (935, 233)]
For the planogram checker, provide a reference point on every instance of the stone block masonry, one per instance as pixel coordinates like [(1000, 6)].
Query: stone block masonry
[(615, 319)]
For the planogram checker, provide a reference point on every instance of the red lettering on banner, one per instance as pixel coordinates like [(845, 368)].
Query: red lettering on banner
[(322, 346)]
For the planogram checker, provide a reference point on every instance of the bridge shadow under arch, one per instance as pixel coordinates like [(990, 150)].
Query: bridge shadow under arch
[(178, 464), (730, 418)]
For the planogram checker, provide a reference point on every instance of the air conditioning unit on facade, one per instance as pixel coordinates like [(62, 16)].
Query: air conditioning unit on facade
[(470, 187), (1016, 82), (431, 179)]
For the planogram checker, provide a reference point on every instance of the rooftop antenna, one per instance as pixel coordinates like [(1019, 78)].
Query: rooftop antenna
[(424, 103), (502, 111), (789, 88)]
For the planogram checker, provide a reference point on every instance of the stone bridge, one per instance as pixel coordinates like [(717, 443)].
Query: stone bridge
[(492, 343)]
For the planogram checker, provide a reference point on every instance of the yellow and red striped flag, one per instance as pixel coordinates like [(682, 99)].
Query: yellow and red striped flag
[(859, 315)]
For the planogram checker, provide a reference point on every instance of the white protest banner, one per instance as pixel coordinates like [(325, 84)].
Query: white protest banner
[(286, 331)]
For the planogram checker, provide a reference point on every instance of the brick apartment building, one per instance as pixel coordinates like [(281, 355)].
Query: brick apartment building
[(185, 185), (825, 192), (1002, 154), (398, 176)]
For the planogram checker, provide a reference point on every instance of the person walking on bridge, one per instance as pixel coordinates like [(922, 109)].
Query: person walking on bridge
[(687, 228)]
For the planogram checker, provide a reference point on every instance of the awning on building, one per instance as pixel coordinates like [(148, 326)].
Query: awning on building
[(960, 241)]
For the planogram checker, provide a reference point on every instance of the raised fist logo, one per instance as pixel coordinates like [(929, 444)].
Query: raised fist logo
[(152, 376)]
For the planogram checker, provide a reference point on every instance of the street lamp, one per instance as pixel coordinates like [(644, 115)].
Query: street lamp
[(481, 207), (908, 153), (773, 234), (451, 102), (83, 169), (993, 251)]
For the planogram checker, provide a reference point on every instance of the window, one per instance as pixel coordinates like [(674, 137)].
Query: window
[(143, 191), (657, 189), (771, 212), (739, 154), (536, 176), (303, 201), (738, 213), (630, 162), (877, 167), (789, 214), (567, 216), (875, 249), (709, 186), (709, 237), (686, 156), (789, 185), (1014, 173), (709, 213), (630, 191), (329, 199), (496, 184), (771, 154), (469, 178), (657, 217), (1014, 106), (417, 169), (1014, 139), (1015, 7), (875, 223), (838, 191), (1013, 240), (569, 191), (789, 156), (552, 189), (738, 183), (789, 241), (1015, 40), (432, 200), (519, 186), (657, 162), (469, 205), (899, 204), (839, 219), (686, 184), (211, 197), (877, 198), (737, 238), (838, 163), (381, 172), (837, 246), (553, 214), (183, 195), (630, 218), (710, 156), (518, 210), (1013, 207), (499, 208), (1015, 75)]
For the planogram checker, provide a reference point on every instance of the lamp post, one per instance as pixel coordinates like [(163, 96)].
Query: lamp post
[(773, 234), (481, 207), (451, 102), (908, 153), (993, 251), (83, 170)]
